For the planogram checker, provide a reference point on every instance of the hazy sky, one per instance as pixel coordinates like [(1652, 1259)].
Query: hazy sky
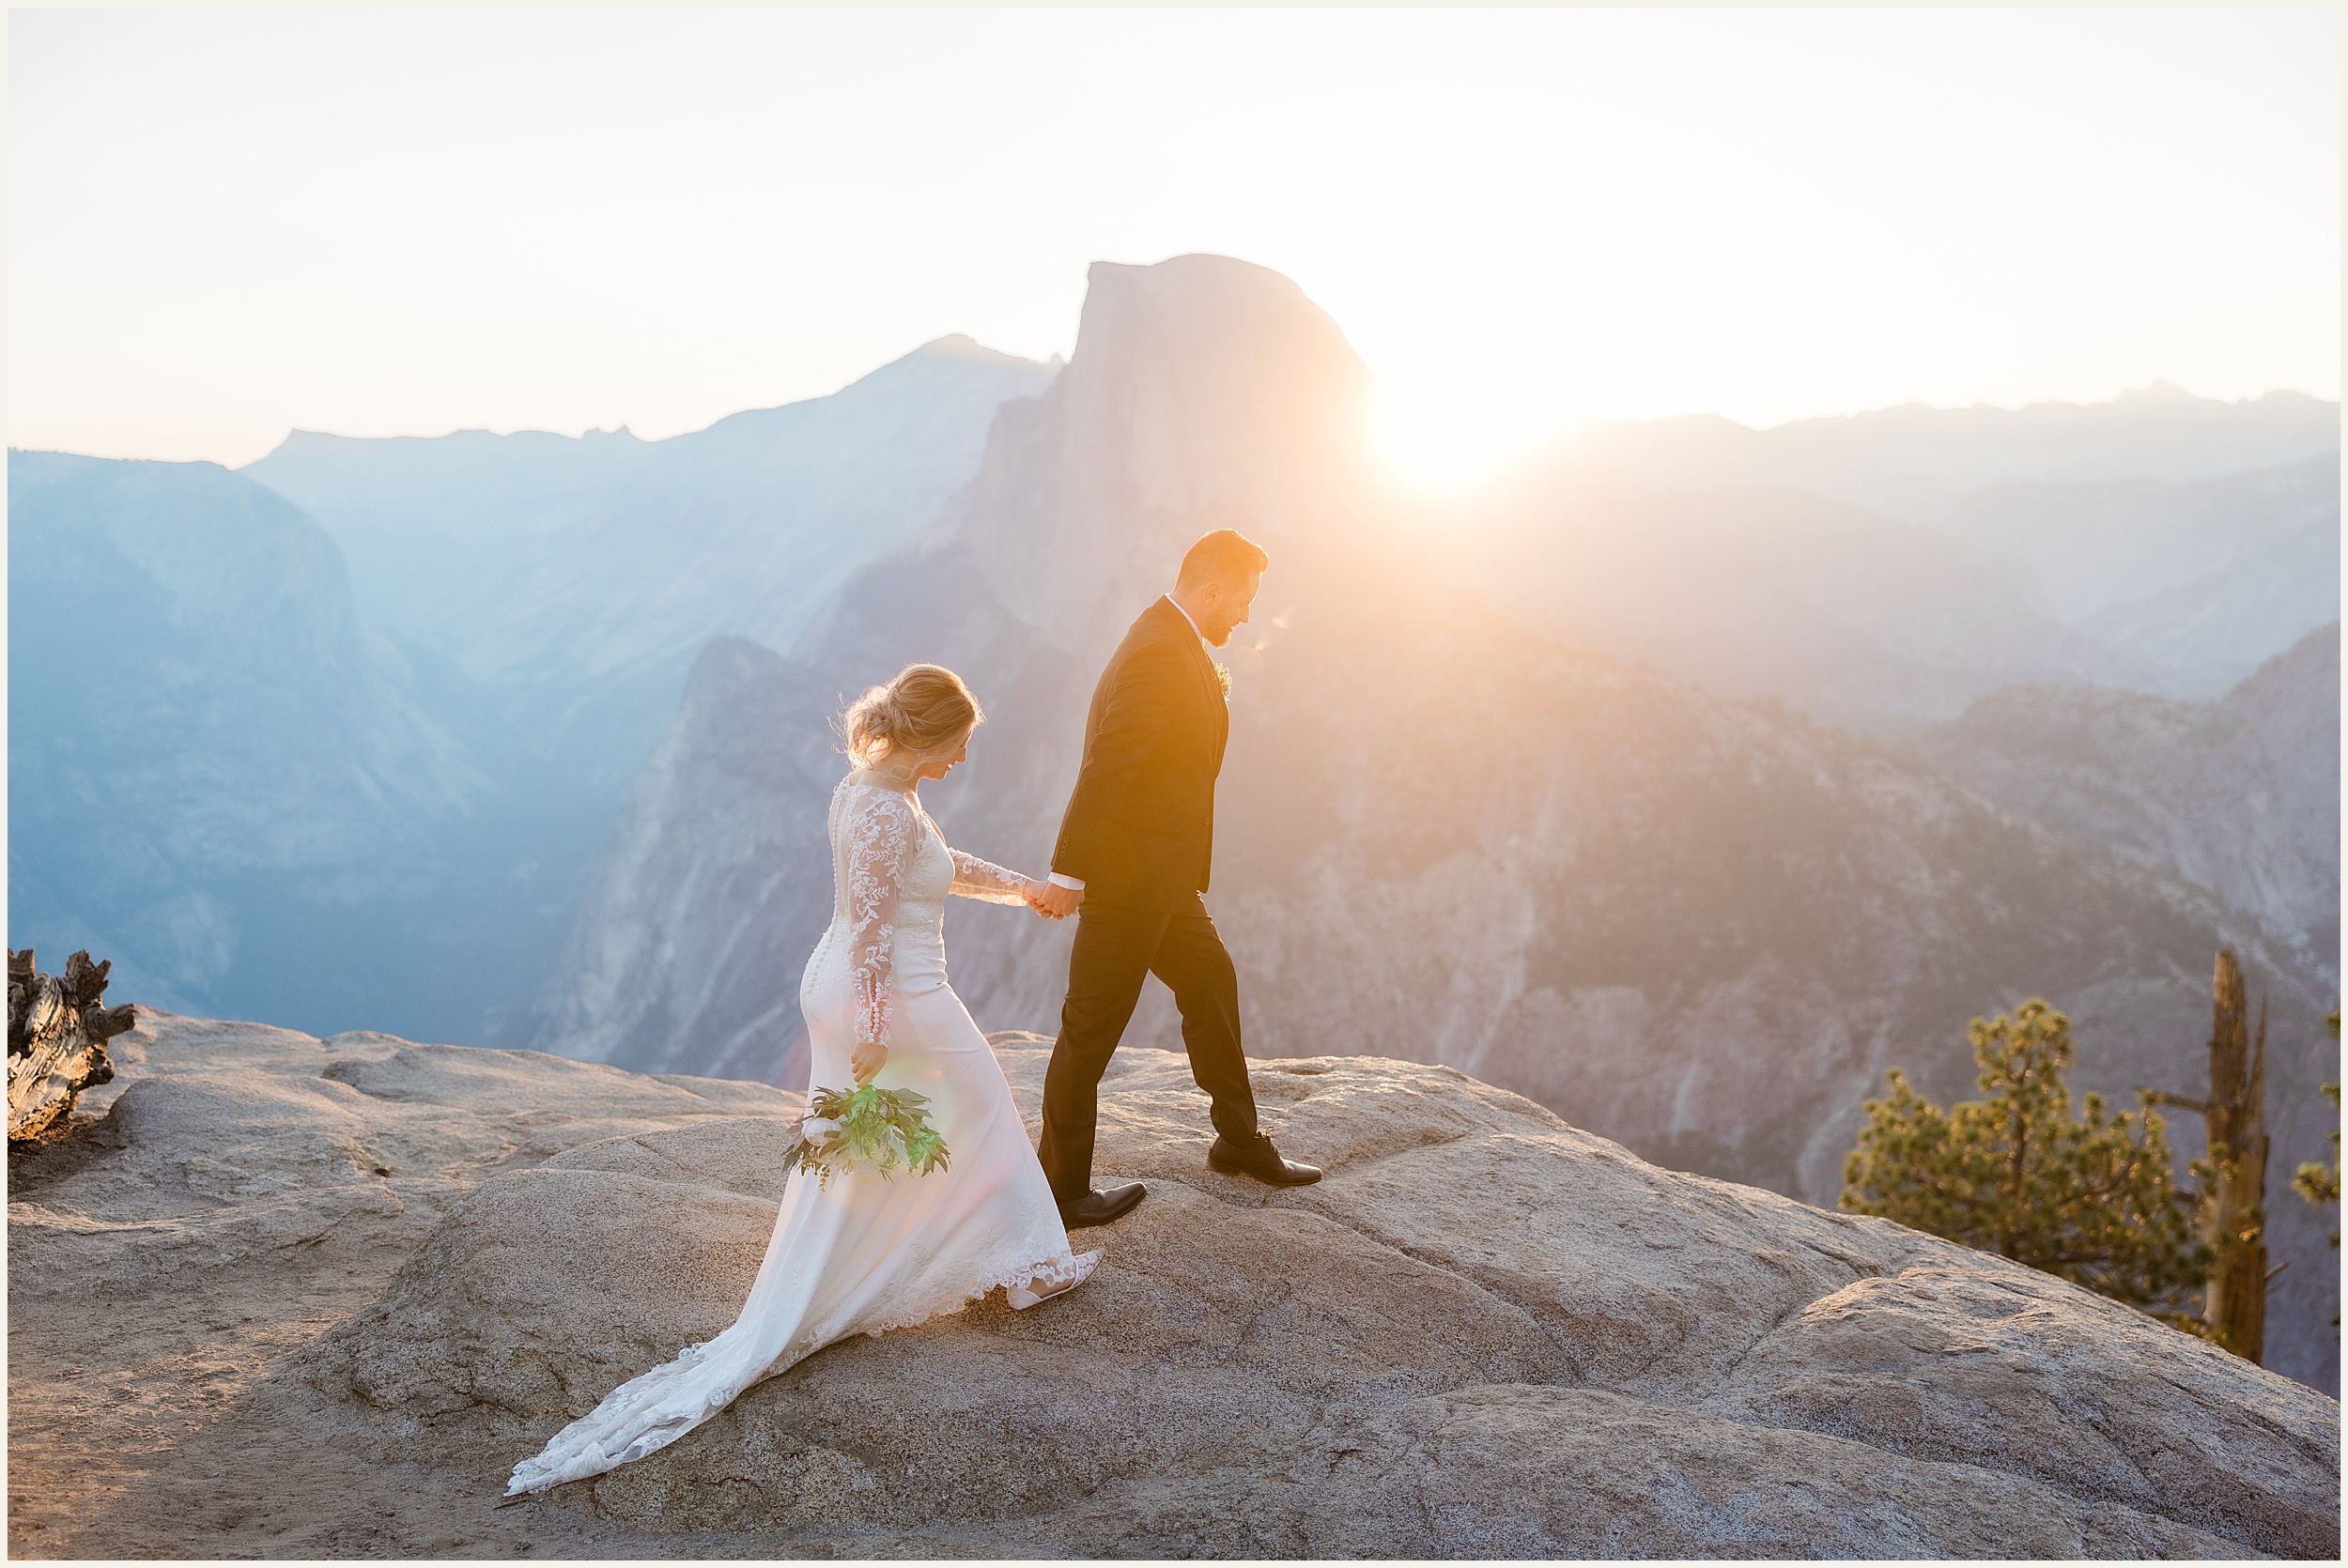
[(222, 224)]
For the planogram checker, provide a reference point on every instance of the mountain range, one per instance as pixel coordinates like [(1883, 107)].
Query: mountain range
[(1886, 622), (1917, 464), (219, 776), (2240, 795), (372, 704), (539, 561), (1703, 927), (1683, 785)]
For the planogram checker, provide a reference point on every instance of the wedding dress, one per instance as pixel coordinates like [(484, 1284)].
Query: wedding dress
[(866, 1253)]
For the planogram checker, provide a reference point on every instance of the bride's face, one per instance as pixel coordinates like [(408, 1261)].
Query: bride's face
[(937, 763)]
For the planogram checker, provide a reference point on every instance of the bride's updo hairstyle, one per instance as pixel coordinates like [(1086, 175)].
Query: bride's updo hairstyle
[(924, 710)]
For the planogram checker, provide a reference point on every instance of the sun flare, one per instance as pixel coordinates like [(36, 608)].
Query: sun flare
[(1449, 445)]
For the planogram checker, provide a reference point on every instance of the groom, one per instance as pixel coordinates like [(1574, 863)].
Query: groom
[(1133, 849)]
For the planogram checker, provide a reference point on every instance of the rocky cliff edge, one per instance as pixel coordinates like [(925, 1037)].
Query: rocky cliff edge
[(284, 1296)]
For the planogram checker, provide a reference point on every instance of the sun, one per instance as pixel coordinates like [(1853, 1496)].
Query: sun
[(1449, 444)]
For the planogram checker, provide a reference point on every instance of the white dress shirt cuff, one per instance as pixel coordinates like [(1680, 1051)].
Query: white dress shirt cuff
[(1075, 884)]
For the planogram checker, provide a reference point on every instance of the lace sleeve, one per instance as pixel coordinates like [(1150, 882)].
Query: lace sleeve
[(983, 878), (879, 834)]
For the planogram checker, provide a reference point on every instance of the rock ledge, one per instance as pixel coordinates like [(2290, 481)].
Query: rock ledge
[(1486, 1333)]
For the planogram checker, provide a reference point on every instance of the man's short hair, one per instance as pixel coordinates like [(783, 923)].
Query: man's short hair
[(1225, 555)]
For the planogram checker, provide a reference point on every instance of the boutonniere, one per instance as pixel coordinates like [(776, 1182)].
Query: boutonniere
[(1223, 678)]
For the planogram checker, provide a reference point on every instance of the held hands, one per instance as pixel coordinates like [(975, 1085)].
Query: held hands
[(1051, 900), (867, 1058)]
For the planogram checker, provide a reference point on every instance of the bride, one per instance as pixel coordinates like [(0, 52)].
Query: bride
[(868, 1251)]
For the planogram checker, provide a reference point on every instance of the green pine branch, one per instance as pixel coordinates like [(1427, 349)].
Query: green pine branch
[(2089, 1198), (2314, 1181)]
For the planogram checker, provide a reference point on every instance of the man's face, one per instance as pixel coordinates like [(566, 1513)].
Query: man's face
[(1229, 609)]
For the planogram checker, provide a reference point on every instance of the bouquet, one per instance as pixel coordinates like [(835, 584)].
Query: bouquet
[(871, 1129)]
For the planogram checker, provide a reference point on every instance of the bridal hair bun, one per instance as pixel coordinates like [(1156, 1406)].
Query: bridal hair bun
[(925, 709)]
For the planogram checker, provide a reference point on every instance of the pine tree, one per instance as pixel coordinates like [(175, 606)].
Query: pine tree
[(2316, 1182), (2090, 1200)]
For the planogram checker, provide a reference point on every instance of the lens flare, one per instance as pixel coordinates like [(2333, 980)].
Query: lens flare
[(1450, 444)]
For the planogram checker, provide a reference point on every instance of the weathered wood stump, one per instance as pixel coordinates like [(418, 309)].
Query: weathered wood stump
[(2233, 1221), (58, 1034), (2233, 1172)]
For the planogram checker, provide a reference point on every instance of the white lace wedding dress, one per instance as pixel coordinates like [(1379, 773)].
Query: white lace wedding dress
[(868, 1252)]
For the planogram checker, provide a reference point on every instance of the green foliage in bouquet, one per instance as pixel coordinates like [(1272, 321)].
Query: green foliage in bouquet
[(871, 1129)]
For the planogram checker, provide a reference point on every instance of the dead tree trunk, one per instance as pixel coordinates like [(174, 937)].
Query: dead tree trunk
[(2233, 1171), (2233, 1214), (57, 1035)]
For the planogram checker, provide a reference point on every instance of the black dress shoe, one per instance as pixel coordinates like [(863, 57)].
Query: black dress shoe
[(1098, 1208), (1255, 1157)]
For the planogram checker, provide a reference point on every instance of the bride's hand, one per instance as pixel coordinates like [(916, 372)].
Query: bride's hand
[(867, 1058), (1053, 901)]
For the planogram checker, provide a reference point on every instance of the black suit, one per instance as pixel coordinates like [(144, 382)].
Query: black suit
[(1140, 834)]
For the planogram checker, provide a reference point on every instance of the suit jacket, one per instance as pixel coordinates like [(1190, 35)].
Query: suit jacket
[(1140, 827)]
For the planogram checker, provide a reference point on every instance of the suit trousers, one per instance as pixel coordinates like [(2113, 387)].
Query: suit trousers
[(1115, 949)]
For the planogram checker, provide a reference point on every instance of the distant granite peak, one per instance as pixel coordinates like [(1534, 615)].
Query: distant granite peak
[(960, 345), (1203, 392)]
